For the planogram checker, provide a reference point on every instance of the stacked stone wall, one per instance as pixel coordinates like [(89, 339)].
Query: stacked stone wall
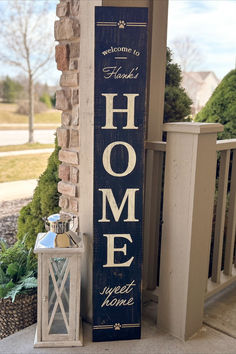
[(67, 33)]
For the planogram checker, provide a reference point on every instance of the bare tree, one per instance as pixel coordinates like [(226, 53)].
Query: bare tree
[(186, 53), (26, 42)]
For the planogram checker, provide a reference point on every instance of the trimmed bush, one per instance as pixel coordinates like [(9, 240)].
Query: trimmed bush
[(177, 103), (221, 107), (44, 203)]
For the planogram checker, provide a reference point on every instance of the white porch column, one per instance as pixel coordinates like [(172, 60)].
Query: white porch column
[(188, 210), (87, 35), (153, 175)]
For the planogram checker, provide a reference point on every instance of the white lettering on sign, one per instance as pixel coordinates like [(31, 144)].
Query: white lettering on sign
[(106, 159), (118, 290), (117, 49), (112, 50), (107, 195), (116, 73), (129, 110), (111, 250)]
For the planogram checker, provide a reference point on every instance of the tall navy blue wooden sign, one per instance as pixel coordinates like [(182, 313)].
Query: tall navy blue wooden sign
[(120, 82)]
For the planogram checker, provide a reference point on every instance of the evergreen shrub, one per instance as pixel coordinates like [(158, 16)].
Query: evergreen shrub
[(221, 107), (44, 203), (177, 106)]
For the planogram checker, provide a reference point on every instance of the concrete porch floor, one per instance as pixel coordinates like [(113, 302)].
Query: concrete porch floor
[(207, 340)]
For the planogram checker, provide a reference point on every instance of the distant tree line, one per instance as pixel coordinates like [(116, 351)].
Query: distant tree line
[(11, 90), (15, 91)]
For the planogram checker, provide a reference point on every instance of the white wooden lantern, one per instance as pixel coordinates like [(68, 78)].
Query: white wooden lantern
[(59, 278)]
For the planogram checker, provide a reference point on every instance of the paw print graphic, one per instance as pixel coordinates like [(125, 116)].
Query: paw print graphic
[(121, 24), (117, 326)]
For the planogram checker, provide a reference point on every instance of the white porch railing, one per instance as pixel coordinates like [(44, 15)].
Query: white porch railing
[(223, 260), (222, 272), (189, 190)]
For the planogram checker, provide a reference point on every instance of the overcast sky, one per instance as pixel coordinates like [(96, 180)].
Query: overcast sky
[(210, 23), (212, 26)]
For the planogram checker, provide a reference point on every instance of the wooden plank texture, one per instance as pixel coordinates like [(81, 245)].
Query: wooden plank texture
[(226, 144), (155, 145), (119, 122)]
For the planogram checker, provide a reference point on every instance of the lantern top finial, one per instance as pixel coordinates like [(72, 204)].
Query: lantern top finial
[(59, 235), (58, 217), (54, 217)]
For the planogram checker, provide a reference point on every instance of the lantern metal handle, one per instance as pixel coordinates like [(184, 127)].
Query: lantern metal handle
[(46, 223), (59, 226)]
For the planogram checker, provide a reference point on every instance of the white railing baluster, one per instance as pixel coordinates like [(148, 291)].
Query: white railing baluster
[(220, 215), (220, 279), (154, 172), (230, 234)]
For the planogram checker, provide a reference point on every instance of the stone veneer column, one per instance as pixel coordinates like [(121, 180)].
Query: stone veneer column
[(67, 33)]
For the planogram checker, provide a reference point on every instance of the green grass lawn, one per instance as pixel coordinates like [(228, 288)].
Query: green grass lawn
[(8, 116), (26, 147), (52, 117), (22, 167)]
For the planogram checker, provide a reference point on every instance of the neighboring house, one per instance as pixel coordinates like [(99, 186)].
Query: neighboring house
[(199, 86)]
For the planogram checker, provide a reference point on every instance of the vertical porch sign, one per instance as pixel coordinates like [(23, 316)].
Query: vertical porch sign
[(119, 121)]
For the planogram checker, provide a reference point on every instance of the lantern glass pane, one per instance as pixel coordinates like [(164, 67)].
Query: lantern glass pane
[(59, 294)]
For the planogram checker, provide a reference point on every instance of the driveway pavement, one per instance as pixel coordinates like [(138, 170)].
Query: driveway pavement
[(25, 152)]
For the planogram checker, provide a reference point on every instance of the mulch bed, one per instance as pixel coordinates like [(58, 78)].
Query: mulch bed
[(9, 212)]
